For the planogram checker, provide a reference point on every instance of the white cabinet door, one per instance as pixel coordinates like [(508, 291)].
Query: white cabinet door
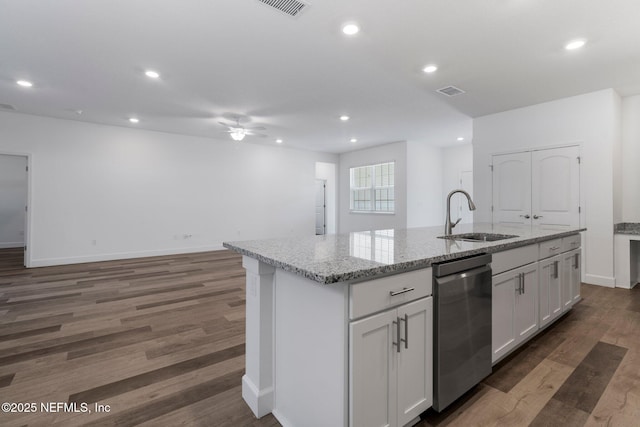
[(503, 304), (527, 303), (372, 367), (514, 311), (576, 276), (512, 188), (555, 180), (415, 367), (550, 289), (570, 278)]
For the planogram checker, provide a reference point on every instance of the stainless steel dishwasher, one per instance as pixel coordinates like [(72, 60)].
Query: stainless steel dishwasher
[(462, 327)]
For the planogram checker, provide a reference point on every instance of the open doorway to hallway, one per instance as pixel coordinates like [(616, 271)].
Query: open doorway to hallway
[(14, 190)]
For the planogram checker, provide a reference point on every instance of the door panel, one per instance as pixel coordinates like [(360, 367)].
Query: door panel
[(372, 366), (512, 188), (527, 303), (550, 301), (556, 187), (415, 373), (502, 313)]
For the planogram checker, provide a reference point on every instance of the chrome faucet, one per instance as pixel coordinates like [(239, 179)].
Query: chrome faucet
[(448, 227)]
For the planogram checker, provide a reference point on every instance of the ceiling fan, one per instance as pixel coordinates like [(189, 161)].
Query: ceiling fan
[(238, 132)]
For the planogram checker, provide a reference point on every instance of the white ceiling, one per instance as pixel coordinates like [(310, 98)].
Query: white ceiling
[(296, 76)]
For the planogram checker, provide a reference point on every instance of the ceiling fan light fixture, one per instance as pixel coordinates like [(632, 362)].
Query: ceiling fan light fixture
[(237, 134)]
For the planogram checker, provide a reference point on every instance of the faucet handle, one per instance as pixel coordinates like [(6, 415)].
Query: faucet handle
[(456, 223)]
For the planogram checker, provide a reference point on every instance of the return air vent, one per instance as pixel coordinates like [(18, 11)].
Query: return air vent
[(290, 7), (7, 107), (450, 91)]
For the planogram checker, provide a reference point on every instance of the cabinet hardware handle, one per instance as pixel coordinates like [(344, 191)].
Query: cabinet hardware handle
[(523, 291), (397, 344), (555, 267), (537, 216), (576, 257), (554, 248), (525, 216), (406, 330), (519, 288), (404, 290)]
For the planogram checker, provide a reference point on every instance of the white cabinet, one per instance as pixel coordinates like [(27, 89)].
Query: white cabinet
[(550, 289), (570, 278), (390, 365), (515, 308)]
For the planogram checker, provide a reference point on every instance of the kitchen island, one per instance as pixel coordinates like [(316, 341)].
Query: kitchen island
[(313, 301)]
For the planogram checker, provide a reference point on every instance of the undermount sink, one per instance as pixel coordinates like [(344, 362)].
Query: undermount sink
[(478, 237)]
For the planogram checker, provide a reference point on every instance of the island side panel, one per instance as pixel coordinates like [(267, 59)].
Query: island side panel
[(311, 352), (257, 382)]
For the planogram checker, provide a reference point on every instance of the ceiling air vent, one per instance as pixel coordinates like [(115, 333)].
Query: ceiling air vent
[(450, 91), (290, 7), (7, 107)]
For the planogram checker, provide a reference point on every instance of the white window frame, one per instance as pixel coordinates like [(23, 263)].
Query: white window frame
[(372, 188)]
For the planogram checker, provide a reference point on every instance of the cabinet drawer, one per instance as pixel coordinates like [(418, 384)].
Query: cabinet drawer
[(375, 295), (550, 248), (570, 242), (508, 260)]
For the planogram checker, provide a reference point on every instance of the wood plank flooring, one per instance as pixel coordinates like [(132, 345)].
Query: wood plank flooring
[(161, 341)]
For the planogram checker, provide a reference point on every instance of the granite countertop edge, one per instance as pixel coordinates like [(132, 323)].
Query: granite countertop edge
[(630, 228), (388, 269)]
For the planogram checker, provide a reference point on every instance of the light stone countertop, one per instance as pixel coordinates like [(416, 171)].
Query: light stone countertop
[(359, 255)]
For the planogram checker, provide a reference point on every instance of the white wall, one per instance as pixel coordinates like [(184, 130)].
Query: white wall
[(424, 185), (348, 221), (631, 159), (329, 172), (592, 120), (13, 199), (455, 161), (104, 192)]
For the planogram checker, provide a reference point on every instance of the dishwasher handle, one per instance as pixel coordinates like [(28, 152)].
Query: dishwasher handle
[(460, 265)]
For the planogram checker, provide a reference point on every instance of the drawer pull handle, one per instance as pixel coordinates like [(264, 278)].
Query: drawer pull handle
[(403, 291), (554, 248)]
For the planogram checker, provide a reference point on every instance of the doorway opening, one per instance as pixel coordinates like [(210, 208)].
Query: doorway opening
[(14, 215), (321, 207), (327, 172)]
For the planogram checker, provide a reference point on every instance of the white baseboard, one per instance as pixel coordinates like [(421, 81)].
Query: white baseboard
[(593, 279), (45, 262), (9, 245), (260, 401)]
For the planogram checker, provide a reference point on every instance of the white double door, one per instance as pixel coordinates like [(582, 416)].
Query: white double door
[(537, 187)]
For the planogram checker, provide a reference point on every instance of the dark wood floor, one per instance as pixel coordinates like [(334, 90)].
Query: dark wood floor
[(161, 341)]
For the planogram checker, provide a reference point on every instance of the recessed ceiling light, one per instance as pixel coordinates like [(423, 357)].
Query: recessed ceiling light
[(278, 141), (152, 74), (460, 138), (350, 29), (24, 83), (429, 68), (344, 118), (134, 119), (353, 140), (575, 44)]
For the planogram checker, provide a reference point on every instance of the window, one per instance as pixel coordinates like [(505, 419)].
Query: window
[(372, 188)]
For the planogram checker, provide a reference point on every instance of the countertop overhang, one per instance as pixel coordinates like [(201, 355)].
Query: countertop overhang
[(367, 254)]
